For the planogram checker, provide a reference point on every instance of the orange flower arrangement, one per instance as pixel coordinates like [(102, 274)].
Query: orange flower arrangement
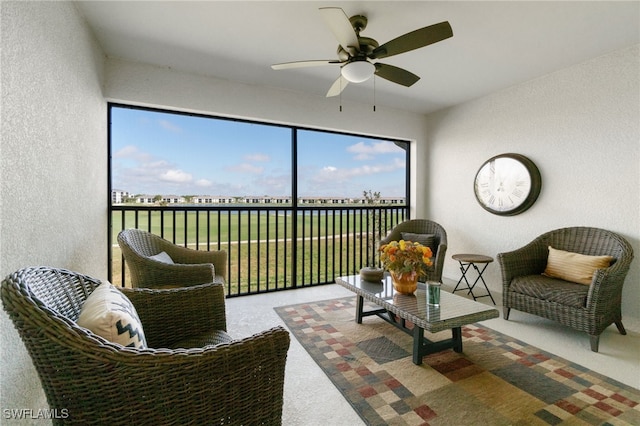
[(402, 257)]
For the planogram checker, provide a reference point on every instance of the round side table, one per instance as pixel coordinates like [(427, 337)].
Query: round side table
[(468, 261)]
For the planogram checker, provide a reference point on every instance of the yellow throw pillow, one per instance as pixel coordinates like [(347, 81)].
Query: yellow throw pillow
[(574, 267)]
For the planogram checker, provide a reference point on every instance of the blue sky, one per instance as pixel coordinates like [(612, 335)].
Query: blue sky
[(172, 154)]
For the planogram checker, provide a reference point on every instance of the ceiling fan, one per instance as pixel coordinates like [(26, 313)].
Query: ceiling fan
[(356, 52)]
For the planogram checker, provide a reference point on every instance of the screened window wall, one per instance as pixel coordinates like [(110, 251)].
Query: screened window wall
[(292, 207)]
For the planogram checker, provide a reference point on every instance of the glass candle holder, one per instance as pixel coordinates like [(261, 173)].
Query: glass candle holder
[(433, 293)]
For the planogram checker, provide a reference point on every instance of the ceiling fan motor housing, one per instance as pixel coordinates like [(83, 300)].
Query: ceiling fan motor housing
[(367, 46)]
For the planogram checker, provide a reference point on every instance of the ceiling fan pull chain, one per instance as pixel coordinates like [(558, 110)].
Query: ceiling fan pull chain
[(340, 94), (374, 93)]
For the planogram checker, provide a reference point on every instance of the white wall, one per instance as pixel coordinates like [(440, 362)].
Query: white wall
[(580, 125), (53, 159)]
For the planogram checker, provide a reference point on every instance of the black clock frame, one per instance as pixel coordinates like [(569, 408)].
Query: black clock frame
[(536, 185)]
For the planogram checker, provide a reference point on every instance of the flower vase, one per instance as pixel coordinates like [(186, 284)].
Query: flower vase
[(405, 282)]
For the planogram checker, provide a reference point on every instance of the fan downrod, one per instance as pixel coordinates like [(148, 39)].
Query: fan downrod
[(367, 44), (358, 22)]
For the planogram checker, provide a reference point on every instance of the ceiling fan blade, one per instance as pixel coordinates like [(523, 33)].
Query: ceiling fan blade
[(414, 40), (396, 75), (339, 24), (302, 64), (337, 87)]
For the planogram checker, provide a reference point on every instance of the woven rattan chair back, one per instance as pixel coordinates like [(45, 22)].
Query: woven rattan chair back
[(424, 226), (190, 267)]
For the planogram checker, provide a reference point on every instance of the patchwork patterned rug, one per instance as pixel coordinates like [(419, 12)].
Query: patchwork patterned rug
[(498, 380)]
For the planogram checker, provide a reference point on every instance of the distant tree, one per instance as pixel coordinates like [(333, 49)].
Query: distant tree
[(373, 231)]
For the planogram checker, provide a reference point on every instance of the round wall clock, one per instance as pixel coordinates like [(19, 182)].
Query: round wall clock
[(507, 184)]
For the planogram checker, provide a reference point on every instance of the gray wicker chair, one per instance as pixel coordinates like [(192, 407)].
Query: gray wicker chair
[(212, 379), (424, 226), (191, 267), (589, 308)]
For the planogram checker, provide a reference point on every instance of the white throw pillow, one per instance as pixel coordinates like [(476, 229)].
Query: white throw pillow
[(162, 257), (108, 313)]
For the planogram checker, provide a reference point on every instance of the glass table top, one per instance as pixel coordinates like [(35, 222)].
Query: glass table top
[(453, 310)]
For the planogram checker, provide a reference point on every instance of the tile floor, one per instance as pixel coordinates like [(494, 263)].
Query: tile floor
[(311, 399)]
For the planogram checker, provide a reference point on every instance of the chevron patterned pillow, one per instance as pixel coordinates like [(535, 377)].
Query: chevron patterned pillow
[(108, 313)]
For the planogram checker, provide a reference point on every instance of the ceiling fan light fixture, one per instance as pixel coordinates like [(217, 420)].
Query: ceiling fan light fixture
[(358, 71)]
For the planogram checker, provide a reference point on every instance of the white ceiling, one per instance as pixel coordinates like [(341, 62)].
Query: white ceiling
[(495, 44)]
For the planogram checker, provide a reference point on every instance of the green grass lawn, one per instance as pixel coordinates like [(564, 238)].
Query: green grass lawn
[(259, 244)]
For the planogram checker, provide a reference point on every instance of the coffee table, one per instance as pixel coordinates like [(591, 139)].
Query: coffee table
[(453, 312)]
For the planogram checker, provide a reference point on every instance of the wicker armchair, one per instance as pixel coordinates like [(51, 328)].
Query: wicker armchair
[(424, 226), (191, 267), (89, 380), (589, 308)]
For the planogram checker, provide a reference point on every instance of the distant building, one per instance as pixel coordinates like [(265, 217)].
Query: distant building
[(211, 199), (145, 199), (173, 199), (118, 196)]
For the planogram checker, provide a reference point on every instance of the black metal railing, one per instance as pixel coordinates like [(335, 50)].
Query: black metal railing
[(269, 247)]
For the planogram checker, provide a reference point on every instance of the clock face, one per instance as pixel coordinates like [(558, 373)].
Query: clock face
[(507, 184)]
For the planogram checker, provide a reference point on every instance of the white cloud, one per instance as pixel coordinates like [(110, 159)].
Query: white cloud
[(167, 125), (126, 152), (176, 176), (204, 183), (330, 175), (364, 151), (262, 158), (131, 152), (245, 168)]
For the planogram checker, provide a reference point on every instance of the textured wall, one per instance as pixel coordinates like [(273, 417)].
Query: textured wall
[(52, 162), (580, 125)]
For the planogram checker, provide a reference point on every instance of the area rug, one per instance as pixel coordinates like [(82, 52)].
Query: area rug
[(497, 380)]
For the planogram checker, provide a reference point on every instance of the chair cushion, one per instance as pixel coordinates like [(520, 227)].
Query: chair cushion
[(574, 267), (162, 257), (427, 240), (108, 313), (551, 289)]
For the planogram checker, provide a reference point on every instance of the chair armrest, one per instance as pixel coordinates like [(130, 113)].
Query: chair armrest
[(185, 255), (606, 285), (171, 315), (240, 382), (392, 235), (170, 275), (438, 262), (528, 260)]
